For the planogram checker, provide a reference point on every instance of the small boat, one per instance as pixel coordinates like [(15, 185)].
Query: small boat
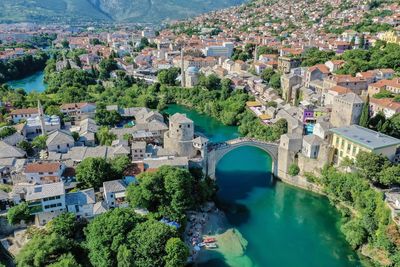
[(209, 240), (201, 244), (211, 245)]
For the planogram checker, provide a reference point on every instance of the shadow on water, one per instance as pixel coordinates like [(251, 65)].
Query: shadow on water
[(238, 185)]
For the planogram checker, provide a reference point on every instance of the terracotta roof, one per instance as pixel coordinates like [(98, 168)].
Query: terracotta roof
[(42, 167), (338, 62), (340, 89), (24, 111), (321, 67), (386, 103), (383, 83)]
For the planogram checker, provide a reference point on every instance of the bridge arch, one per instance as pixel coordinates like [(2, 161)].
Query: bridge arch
[(218, 151)]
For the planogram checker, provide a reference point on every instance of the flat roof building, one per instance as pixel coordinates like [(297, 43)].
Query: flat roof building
[(348, 141)]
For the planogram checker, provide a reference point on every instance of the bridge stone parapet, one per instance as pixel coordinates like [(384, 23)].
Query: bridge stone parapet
[(217, 151)]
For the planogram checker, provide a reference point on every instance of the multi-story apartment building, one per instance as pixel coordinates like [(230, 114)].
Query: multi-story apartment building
[(78, 111), (46, 201), (348, 141)]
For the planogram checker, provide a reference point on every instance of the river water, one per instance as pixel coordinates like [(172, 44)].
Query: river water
[(284, 226), (31, 83)]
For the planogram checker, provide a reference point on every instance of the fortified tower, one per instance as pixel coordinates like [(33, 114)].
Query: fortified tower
[(179, 137)]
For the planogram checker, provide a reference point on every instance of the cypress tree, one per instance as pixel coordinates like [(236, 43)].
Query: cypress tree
[(364, 119)]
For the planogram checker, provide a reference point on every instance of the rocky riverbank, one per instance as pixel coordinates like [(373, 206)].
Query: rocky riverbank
[(212, 223)]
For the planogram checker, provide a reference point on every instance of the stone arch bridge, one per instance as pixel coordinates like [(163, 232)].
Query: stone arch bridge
[(217, 151)]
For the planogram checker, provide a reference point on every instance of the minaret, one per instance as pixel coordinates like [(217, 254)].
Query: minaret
[(41, 118), (183, 82), (255, 53)]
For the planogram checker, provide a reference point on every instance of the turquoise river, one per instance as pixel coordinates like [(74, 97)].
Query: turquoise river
[(31, 83), (284, 226)]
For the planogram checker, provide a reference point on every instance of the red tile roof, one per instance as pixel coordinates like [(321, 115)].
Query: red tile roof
[(42, 167)]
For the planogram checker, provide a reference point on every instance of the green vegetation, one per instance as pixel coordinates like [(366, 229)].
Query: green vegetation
[(7, 131), (364, 119), (168, 192), (39, 142), (294, 169), (107, 118), (105, 137), (366, 217), (92, 172), (128, 240), (389, 126), (314, 56), (251, 126), (168, 76), (19, 213), (83, 11), (21, 67), (382, 55)]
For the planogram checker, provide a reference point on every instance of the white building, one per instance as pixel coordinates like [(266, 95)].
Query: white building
[(59, 141), (33, 125), (115, 193), (81, 203), (224, 50), (44, 172), (46, 201), (23, 114)]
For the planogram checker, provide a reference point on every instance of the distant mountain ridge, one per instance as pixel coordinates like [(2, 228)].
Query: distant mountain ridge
[(106, 10)]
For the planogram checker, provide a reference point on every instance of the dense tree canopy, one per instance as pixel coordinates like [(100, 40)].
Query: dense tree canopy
[(92, 172), (21, 67), (19, 213), (167, 191), (107, 233)]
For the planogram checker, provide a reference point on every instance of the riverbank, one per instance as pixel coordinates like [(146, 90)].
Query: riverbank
[(32, 83), (211, 224)]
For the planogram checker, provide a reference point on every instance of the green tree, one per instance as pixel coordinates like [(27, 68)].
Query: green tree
[(267, 74), (105, 235), (294, 169), (39, 142), (365, 117), (75, 135), (177, 253), (125, 257), (7, 131), (148, 241), (168, 191), (53, 110), (355, 233), (19, 213), (168, 76), (119, 165), (65, 260), (43, 250), (65, 43), (26, 146), (105, 137), (64, 224), (275, 81), (390, 175), (370, 165), (107, 118), (92, 172)]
